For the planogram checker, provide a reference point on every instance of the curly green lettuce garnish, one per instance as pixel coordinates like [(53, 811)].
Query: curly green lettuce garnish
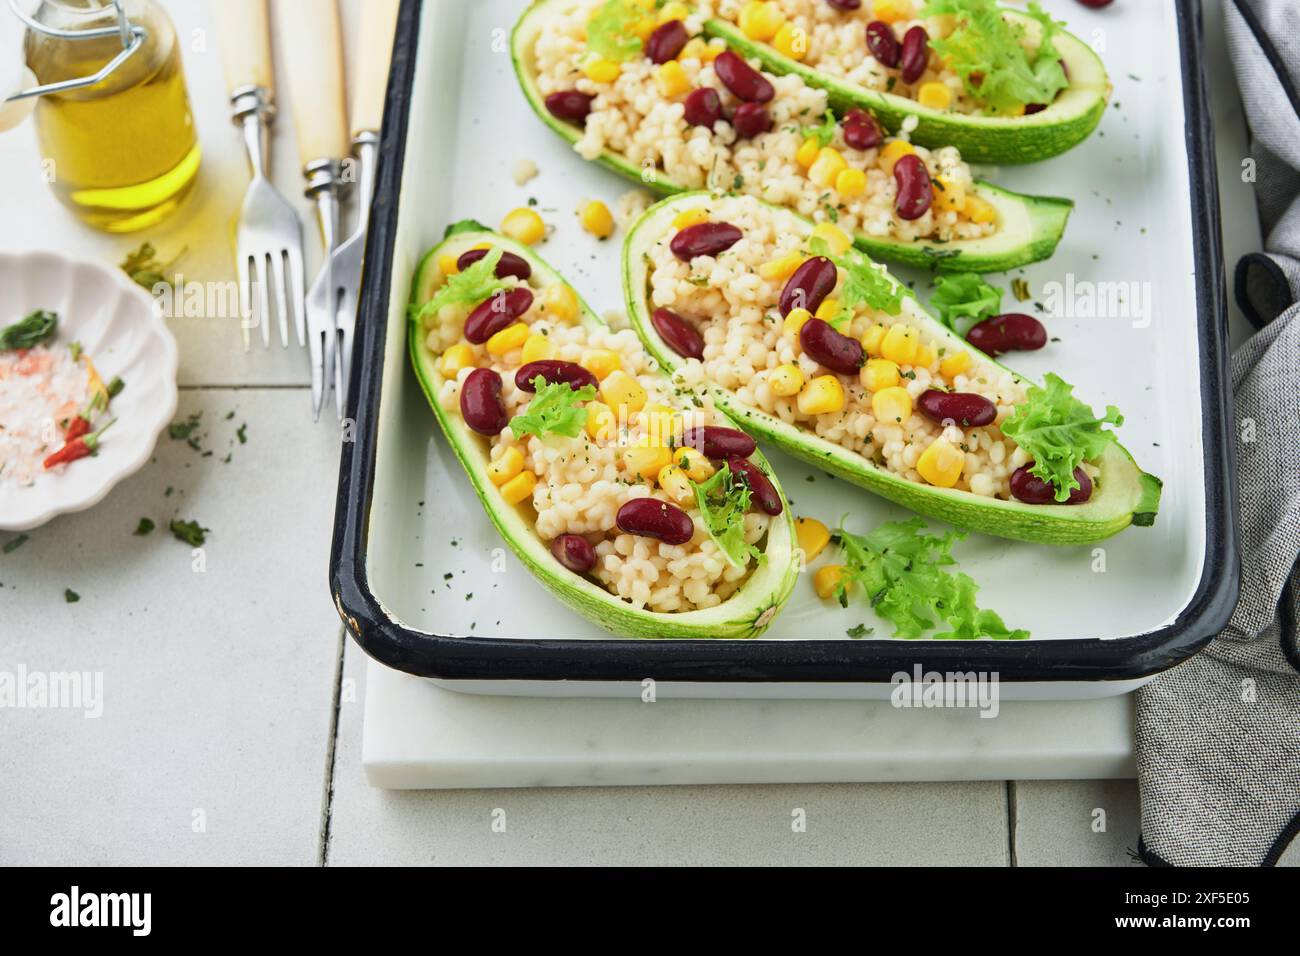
[(723, 500), (988, 53), (964, 298), (27, 333), (556, 409), (824, 132), (476, 284), (865, 283), (1059, 432), (906, 575), (611, 33)]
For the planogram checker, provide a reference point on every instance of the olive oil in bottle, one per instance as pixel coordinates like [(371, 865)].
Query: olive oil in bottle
[(122, 153)]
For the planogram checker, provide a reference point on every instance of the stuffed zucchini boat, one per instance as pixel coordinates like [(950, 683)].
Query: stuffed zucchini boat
[(810, 345), (641, 91), (645, 512), (1002, 85)]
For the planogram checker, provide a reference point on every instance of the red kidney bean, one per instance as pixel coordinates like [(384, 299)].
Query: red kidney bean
[(569, 105), (829, 348), (652, 518), (704, 239), (961, 408), (1032, 108), (883, 44), (496, 312), (845, 4), (508, 265), (666, 42), (703, 107), (811, 283), (915, 191), (480, 402), (762, 492), (1032, 490), (750, 120), (861, 131), (680, 336), (574, 552), (1096, 4), (1012, 332), (718, 443), (916, 54), (553, 370), (742, 79)]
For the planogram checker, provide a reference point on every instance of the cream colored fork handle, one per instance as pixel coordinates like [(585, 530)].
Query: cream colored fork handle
[(370, 82), (244, 34), (309, 35)]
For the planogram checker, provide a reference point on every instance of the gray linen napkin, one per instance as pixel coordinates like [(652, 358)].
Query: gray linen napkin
[(1218, 737)]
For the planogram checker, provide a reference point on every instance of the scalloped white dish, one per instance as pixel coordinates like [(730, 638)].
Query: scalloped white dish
[(117, 326)]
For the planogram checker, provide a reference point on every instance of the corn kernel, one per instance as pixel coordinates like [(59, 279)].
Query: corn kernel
[(601, 363), (645, 461), (892, 405), (892, 152), (954, 364), (791, 41), (519, 487), (524, 225), (822, 395), (786, 380), (980, 211), (812, 536), (872, 338), (537, 348), (829, 164), (851, 182), (561, 302), (693, 463), (508, 339), (941, 464), (925, 356), (826, 580), (447, 264), (782, 268), (829, 309), (794, 322), (673, 80), (672, 11), (760, 20), (602, 423), (807, 154), (602, 71), (459, 356), (878, 374), (892, 11), (836, 238), (695, 49), (690, 217), (507, 466), (596, 218), (937, 96), (621, 390), (676, 485), (660, 424), (644, 27), (899, 344), (949, 196)]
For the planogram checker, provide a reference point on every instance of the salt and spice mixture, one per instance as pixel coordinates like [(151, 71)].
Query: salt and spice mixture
[(797, 327), (679, 105), (585, 434)]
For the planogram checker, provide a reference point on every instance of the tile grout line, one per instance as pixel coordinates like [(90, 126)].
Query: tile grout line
[(1011, 822), (327, 796)]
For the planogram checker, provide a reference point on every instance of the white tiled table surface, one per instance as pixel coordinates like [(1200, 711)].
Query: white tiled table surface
[(219, 741)]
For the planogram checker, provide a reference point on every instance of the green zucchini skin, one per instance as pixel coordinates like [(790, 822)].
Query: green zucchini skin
[(1032, 226), (744, 615), (1124, 493), (982, 139)]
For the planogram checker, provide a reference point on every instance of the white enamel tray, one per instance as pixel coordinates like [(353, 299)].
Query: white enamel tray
[(427, 586)]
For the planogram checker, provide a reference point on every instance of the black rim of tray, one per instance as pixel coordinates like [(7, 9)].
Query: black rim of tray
[(760, 661)]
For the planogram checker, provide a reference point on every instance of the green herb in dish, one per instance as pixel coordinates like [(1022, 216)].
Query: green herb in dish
[(907, 576), (556, 409), (29, 332), (475, 284), (723, 500), (865, 283), (611, 33)]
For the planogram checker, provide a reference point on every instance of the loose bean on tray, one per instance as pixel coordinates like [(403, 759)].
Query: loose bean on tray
[(1011, 332)]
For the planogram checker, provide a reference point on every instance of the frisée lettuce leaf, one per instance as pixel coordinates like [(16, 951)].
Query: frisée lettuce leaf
[(723, 500)]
